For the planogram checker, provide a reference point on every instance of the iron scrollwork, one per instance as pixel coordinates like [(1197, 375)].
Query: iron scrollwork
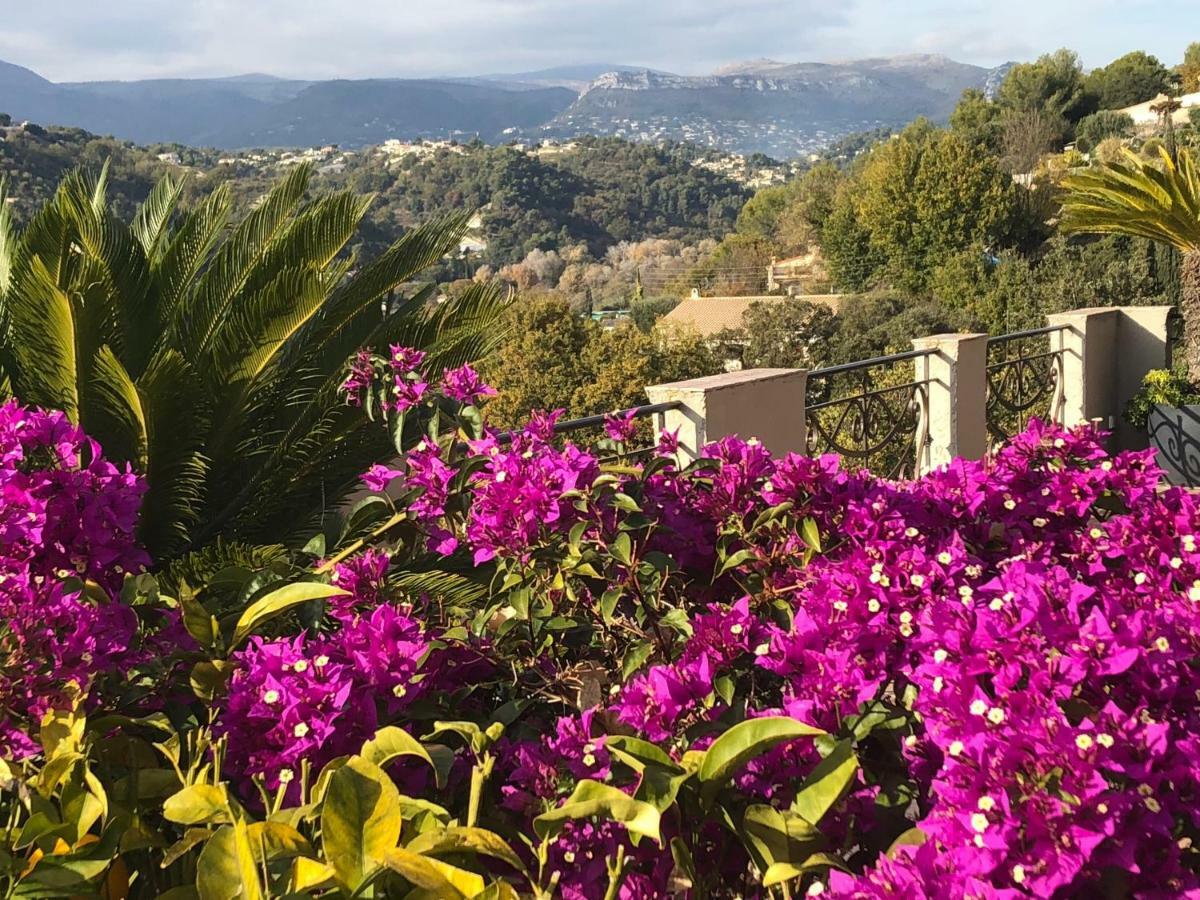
[(854, 411), (1024, 379)]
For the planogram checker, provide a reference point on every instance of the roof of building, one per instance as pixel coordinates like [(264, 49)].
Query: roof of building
[(709, 315)]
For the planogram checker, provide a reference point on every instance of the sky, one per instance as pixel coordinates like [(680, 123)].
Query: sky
[(77, 40)]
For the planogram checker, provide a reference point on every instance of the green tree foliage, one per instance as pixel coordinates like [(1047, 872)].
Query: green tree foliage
[(793, 334), (600, 192), (208, 351), (1015, 291), (646, 311), (1189, 69), (1053, 85), (976, 118), (886, 322), (34, 163), (925, 196), (554, 359), (1129, 79), (853, 261), (1100, 125)]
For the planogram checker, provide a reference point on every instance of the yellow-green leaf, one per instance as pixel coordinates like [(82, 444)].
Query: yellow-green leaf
[(275, 840), (826, 783), (360, 821), (467, 840), (745, 741), (225, 869), (391, 743), (442, 879), (197, 804), (308, 875), (591, 798), (278, 601)]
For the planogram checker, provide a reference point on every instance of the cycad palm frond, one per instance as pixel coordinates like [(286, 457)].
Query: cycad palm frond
[(150, 225), (231, 266), (210, 356), (1159, 200)]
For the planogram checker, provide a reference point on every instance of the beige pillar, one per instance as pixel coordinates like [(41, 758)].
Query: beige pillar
[(956, 372), (1088, 340), (767, 404), (1142, 345)]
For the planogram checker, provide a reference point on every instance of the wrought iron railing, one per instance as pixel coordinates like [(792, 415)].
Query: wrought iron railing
[(590, 428), (1024, 379), (873, 413)]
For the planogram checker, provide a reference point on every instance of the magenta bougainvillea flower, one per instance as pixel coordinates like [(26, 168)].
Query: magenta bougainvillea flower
[(1009, 643), (67, 516), (464, 385)]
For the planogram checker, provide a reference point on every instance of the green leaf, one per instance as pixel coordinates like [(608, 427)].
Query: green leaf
[(191, 838), (771, 514), (197, 804), (429, 874), (225, 869), (742, 743), (360, 821), (621, 549), (826, 783), (734, 560), (608, 604), (625, 503), (661, 777), (278, 601), (778, 837), (467, 840), (635, 657), (811, 534), (479, 739), (682, 856), (591, 798), (196, 619), (391, 743)]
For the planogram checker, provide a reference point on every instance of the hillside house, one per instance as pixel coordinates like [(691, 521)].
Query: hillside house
[(708, 316)]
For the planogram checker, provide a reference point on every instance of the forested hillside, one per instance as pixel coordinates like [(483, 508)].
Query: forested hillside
[(593, 193)]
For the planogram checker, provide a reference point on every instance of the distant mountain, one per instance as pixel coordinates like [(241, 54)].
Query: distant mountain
[(12, 76), (782, 109), (575, 77), (260, 110)]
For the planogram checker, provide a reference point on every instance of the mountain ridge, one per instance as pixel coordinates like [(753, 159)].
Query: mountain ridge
[(762, 105)]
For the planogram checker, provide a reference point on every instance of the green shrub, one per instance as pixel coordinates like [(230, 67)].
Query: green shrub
[(1159, 386)]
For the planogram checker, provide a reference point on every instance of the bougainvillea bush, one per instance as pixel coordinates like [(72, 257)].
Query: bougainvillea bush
[(516, 670)]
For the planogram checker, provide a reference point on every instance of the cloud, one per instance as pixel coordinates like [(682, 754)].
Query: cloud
[(82, 39)]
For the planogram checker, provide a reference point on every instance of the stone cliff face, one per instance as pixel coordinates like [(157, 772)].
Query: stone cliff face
[(777, 108)]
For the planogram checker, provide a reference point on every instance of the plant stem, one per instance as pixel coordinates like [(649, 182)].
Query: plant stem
[(358, 545)]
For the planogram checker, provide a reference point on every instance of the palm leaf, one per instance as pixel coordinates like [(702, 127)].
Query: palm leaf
[(43, 341), (8, 238), (150, 225), (177, 415), (1158, 200), (185, 254), (196, 323), (118, 281), (414, 252), (115, 410), (447, 587)]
